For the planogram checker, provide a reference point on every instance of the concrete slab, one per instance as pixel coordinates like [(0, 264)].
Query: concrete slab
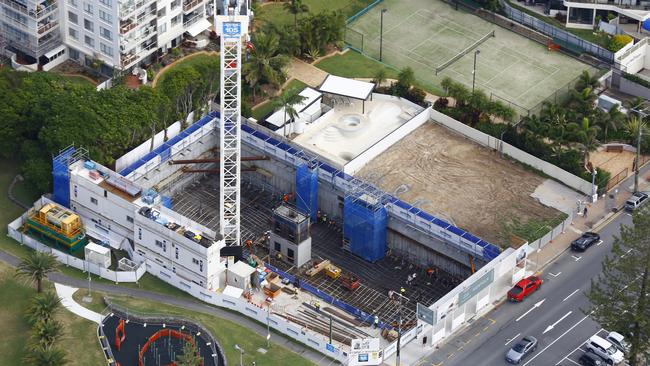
[(553, 194)]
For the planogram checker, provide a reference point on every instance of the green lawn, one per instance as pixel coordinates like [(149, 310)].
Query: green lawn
[(278, 15), (226, 332), (267, 107), (79, 334)]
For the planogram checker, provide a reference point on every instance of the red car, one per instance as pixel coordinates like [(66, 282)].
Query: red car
[(524, 288)]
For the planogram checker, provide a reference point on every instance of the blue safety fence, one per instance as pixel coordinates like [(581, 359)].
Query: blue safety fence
[(364, 228), (61, 176), (362, 11), (164, 150), (307, 190)]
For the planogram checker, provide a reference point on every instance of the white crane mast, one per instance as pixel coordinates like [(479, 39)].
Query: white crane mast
[(231, 24)]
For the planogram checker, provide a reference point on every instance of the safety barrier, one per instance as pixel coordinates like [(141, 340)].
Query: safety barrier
[(362, 11)]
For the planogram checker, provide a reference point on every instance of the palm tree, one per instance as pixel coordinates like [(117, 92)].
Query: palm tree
[(43, 307), (47, 332), (635, 103), (612, 119), (36, 266), (586, 80), (45, 356), (632, 128), (586, 135), (266, 64), (287, 101), (380, 77), (296, 7)]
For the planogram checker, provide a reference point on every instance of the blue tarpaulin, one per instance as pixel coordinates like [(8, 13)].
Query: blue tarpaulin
[(364, 228), (307, 191)]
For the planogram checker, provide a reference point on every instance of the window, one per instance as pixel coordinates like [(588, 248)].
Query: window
[(176, 253), (106, 49), (71, 30), (73, 18), (195, 261), (161, 12), (105, 33), (289, 253), (175, 4), (162, 28), (140, 233), (89, 25), (88, 8), (129, 219), (161, 244), (105, 193), (105, 16), (106, 3), (74, 54), (176, 20), (92, 199), (73, 3), (200, 266), (90, 42), (278, 247)]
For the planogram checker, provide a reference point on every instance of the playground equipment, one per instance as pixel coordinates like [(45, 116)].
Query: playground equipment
[(160, 334), (120, 334), (57, 224)]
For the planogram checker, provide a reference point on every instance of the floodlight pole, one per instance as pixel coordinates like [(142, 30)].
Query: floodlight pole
[(474, 70), (381, 31)]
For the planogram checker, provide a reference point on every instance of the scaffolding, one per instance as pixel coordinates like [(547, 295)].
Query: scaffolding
[(365, 221), (307, 190), (61, 173)]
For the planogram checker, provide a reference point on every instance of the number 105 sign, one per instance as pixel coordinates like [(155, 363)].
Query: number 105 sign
[(231, 29)]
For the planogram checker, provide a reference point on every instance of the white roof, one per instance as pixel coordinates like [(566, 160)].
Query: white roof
[(233, 291), (241, 269), (97, 248), (198, 27), (55, 51), (347, 87), (311, 97)]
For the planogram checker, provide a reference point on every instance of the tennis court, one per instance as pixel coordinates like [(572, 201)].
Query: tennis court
[(425, 34)]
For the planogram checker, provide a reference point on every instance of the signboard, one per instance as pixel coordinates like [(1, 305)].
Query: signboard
[(425, 314), (365, 352), (476, 287), (330, 347), (231, 29)]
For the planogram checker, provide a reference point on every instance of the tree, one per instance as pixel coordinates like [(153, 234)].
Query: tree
[(585, 134), (189, 356), (36, 266), (405, 80), (296, 7), (287, 102), (612, 119), (620, 297), (380, 77), (47, 332), (632, 127), (45, 356), (265, 64), (586, 80), (43, 307)]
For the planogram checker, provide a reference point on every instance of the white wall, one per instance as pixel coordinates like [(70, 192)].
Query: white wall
[(633, 59), (389, 140), (484, 139), (143, 149)]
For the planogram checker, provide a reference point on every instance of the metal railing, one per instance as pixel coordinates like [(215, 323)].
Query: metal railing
[(643, 5), (189, 5), (37, 13)]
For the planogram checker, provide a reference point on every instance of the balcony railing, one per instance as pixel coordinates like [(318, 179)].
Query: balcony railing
[(38, 13), (191, 20), (126, 27), (191, 4), (146, 32), (42, 28), (128, 59)]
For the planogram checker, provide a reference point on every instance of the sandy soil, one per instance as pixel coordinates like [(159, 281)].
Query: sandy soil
[(459, 181), (613, 162)]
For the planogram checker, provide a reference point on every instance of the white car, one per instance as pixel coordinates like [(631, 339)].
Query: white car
[(619, 342), (605, 350)]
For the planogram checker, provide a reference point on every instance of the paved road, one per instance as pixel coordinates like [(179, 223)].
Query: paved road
[(558, 322)]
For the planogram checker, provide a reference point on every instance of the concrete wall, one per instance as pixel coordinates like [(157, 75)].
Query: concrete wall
[(632, 88), (486, 140), (633, 58), (135, 154), (380, 146)]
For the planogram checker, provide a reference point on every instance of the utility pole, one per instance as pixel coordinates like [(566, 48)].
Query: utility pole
[(641, 115), (391, 295), (268, 327), (474, 70), (381, 31)]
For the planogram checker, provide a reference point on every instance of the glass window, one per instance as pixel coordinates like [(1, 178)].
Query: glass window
[(73, 3), (73, 18), (129, 219), (88, 8), (93, 200), (105, 33), (90, 42), (106, 17), (162, 28), (106, 3), (106, 49), (89, 25)]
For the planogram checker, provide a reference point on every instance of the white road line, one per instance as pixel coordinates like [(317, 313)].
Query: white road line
[(537, 304), (571, 294), (576, 258), (599, 242), (568, 359), (558, 338), (555, 274), (512, 339), (550, 327), (578, 348)]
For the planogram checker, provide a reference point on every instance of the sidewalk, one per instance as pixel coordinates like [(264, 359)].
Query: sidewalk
[(65, 294), (597, 215)]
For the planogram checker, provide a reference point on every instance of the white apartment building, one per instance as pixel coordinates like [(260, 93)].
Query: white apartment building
[(122, 214), (120, 33)]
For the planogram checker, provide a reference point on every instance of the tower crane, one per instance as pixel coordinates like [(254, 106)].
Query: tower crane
[(231, 24)]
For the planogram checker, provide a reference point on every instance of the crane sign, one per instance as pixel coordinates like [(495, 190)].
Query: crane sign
[(231, 24)]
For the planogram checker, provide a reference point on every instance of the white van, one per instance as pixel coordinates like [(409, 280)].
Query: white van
[(605, 350)]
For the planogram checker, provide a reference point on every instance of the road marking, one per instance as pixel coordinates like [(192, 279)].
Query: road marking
[(492, 321), (558, 338), (626, 253), (599, 242), (568, 359), (537, 304), (571, 294), (578, 348), (555, 274), (550, 327), (576, 258), (512, 339)]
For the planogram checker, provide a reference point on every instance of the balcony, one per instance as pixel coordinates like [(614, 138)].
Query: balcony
[(44, 27), (127, 59), (43, 9), (145, 32), (189, 5), (127, 26)]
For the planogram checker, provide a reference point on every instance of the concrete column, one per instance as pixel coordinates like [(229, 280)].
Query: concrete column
[(568, 11)]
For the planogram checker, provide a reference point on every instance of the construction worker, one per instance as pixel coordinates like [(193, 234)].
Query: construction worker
[(376, 322), (249, 244), (285, 198), (324, 218), (318, 216)]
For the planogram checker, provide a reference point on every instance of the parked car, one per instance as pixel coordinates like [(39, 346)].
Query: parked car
[(637, 199), (522, 349), (618, 341), (590, 359), (605, 350), (524, 288), (585, 241)]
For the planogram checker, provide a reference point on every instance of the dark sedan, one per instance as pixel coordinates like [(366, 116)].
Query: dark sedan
[(585, 241)]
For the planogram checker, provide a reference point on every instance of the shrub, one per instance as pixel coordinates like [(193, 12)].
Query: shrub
[(618, 41), (441, 104), (416, 95)]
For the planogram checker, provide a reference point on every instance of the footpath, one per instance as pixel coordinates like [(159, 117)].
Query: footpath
[(598, 215)]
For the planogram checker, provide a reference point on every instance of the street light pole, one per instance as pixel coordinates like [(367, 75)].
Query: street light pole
[(268, 327), (399, 321), (381, 32), (241, 354), (640, 115), (474, 70)]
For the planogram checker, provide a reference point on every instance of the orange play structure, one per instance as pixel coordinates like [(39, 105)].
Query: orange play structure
[(120, 334), (163, 333)]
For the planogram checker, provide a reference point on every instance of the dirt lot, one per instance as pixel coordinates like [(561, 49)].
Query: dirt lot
[(613, 162), (457, 180)]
